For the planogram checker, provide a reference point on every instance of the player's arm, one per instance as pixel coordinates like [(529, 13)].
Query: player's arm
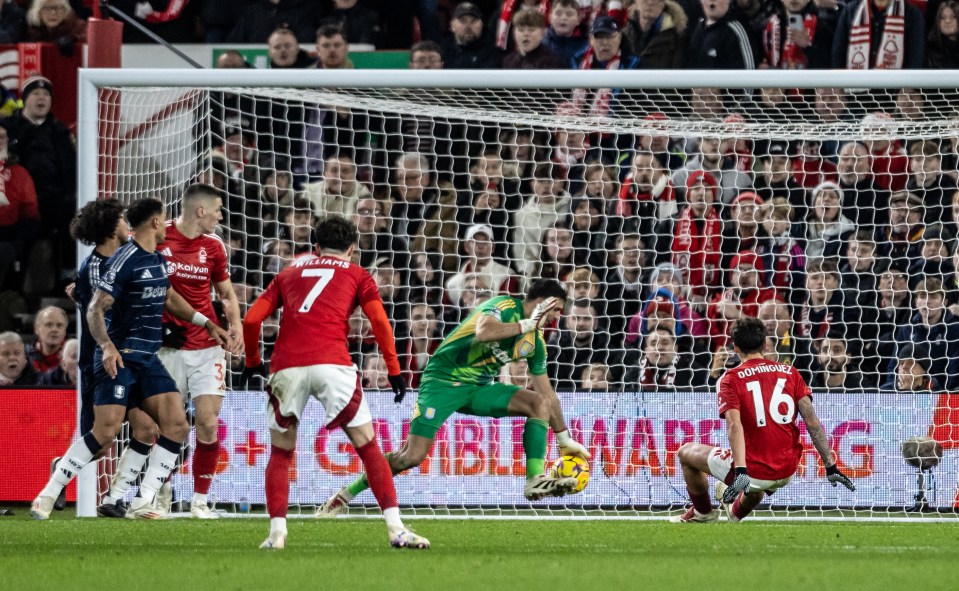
[(96, 320), (180, 308), (231, 307), (821, 443), (490, 328), (383, 332), (737, 438)]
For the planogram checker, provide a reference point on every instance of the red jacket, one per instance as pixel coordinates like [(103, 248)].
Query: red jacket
[(18, 197)]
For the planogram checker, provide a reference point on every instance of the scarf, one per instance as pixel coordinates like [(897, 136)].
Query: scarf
[(781, 53), (651, 375), (506, 19), (662, 192), (890, 53), (697, 252), (602, 97)]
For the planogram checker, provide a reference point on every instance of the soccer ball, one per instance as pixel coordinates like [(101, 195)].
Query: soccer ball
[(572, 467)]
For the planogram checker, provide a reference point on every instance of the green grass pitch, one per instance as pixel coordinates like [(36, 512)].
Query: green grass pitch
[(67, 553)]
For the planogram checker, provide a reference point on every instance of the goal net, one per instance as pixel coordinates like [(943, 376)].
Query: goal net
[(824, 203)]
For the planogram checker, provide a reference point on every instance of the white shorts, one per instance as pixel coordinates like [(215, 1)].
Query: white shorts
[(337, 387), (199, 372), (721, 462)]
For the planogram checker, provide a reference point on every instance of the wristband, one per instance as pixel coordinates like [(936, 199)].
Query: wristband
[(199, 319), (563, 437), (527, 325), (834, 469), (741, 471)]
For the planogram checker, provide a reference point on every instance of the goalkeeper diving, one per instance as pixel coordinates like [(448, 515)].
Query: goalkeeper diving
[(460, 377)]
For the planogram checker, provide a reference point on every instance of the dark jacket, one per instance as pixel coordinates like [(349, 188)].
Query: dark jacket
[(723, 45), (541, 58), (55, 377), (913, 54), (565, 47), (566, 361), (686, 374), (13, 23), (29, 377), (942, 53), (478, 55), (259, 20), (942, 341), (664, 45), (361, 24), (937, 197)]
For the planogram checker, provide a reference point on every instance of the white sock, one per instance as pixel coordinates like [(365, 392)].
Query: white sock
[(78, 456), (277, 524), (162, 463), (128, 470), (392, 516), (199, 498)]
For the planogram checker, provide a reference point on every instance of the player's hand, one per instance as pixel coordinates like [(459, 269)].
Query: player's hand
[(71, 291), (836, 477), (570, 447), (740, 484), (398, 384), (249, 374), (112, 361), (236, 341), (219, 335), (540, 315)]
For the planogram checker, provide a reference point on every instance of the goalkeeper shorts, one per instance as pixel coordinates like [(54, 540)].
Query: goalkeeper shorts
[(437, 400)]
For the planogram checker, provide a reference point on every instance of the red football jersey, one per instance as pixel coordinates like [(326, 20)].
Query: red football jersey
[(765, 394), (193, 266), (318, 295)]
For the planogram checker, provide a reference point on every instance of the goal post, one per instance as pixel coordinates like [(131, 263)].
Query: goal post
[(668, 202)]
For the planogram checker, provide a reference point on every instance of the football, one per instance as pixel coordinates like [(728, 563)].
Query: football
[(572, 467), (922, 452)]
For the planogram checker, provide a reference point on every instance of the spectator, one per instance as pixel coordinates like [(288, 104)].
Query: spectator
[(582, 283), (339, 191), (830, 107), (742, 298), (661, 367), (625, 282), (426, 55), (485, 206), (942, 46), (522, 150), (656, 34), (712, 158), (935, 257), (827, 229), (64, 374), (45, 148), (359, 23), (775, 178), (284, 51), (719, 41), (361, 340), (910, 104), (860, 280), (785, 255), (373, 237), (880, 34), (50, 328), (331, 49), (825, 306), (696, 237), (466, 48), (503, 22), (14, 369), (392, 285), (596, 378), (913, 371), (571, 151), (577, 345), (549, 204), (927, 180), (809, 166), (563, 35), (13, 23), (529, 52), (836, 366), (54, 21), (375, 373), (414, 196), (605, 52), (935, 327), (889, 161), (900, 239), (796, 37), (19, 212), (478, 248), (232, 59), (422, 341), (263, 17), (862, 202), (426, 278), (440, 231), (744, 232), (779, 324), (667, 291), (590, 231), (647, 193), (668, 152), (556, 256)]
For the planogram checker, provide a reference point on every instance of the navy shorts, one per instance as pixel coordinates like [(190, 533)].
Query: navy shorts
[(137, 381), (87, 389)]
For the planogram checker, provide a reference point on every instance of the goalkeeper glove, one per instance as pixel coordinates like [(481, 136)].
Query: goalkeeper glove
[(836, 477), (398, 384), (570, 447), (540, 316), (256, 372), (740, 484)]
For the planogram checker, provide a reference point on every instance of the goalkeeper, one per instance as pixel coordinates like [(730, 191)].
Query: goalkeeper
[(460, 375)]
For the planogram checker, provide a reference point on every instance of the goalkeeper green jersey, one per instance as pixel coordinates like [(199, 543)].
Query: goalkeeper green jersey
[(462, 359)]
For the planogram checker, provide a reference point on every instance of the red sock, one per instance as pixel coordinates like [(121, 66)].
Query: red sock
[(700, 501), (205, 458), (738, 510), (278, 481), (379, 474)]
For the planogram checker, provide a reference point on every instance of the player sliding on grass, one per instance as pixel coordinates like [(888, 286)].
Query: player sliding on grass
[(758, 399), (318, 294), (460, 375)]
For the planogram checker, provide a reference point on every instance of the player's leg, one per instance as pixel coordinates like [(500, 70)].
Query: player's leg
[(86, 390), (283, 444), (742, 506), (143, 433), (166, 409), (205, 373), (695, 461), (536, 408)]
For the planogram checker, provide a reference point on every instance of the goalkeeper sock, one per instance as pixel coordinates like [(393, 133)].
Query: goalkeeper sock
[(534, 444), (701, 501), (162, 462), (381, 481), (362, 483), (128, 470), (205, 458), (79, 455), (278, 483)]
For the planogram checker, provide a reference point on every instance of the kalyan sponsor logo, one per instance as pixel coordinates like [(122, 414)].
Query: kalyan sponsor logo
[(187, 268)]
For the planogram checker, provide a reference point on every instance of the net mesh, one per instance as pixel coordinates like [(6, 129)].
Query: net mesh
[(829, 213)]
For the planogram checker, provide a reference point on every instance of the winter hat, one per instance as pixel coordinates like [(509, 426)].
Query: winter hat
[(35, 83)]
